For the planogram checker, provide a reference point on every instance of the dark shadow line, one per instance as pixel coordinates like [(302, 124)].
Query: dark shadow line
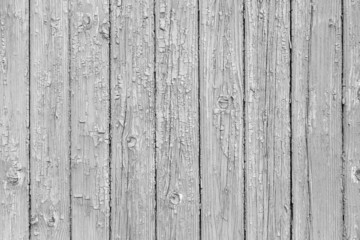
[(291, 122), (244, 123), (109, 126), (29, 118), (343, 121), (155, 119), (199, 115), (69, 120)]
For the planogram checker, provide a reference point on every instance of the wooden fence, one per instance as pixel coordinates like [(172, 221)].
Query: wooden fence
[(179, 119)]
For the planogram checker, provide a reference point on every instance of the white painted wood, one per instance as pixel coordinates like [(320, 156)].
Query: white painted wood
[(267, 67), (49, 111), (351, 97), (222, 123), (14, 119), (132, 120), (90, 183), (177, 121), (317, 120)]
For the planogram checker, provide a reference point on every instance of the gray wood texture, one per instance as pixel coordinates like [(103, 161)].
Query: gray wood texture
[(132, 120), (299, 116), (179, 119), (317, 120), (14, 119), (90, 183), (222, 123), (351, 96), (49, 111), (267, 131)]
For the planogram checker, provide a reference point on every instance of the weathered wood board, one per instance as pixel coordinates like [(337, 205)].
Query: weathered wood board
[(299, 102), (49, 111), (351, 110), (317, 120), (179, 119), (132, 120), (14, 119), (267, 121), (89, 70), (222, 123)]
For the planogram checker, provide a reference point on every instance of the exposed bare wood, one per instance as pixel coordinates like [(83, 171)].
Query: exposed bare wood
[(14, 119), (222, 90), (177, 133), (267, 69), (50, 199), (133, 120), (90, 119), (317, 120)]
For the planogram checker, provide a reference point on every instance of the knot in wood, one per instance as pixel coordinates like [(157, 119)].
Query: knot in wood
[(175, 198), (224, 102), (131, 141)]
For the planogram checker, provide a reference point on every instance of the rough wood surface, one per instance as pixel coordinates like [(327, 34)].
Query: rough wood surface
[(352, 118), (49, 111), (90, 119), (221, 111), (317, 108), (179, 119), (177, 126), (133, 120), (267, 67), (14, 119), (300, 162)]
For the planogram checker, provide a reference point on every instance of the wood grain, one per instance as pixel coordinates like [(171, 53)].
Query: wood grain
[(301, 19), (132, 120), (90, 119), (267, 70), (351, 118), (179, 119), (222, 125), (49, 111), (177, 126), (14, 119), (317, 108)]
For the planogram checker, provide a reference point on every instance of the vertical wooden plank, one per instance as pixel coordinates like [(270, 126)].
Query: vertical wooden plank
[(301, 19), (177, 126), (317, 108), (352, 117), (132, 120), (221, 91), (90, 118), (267, 119), (14, 119), (49, 111)]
